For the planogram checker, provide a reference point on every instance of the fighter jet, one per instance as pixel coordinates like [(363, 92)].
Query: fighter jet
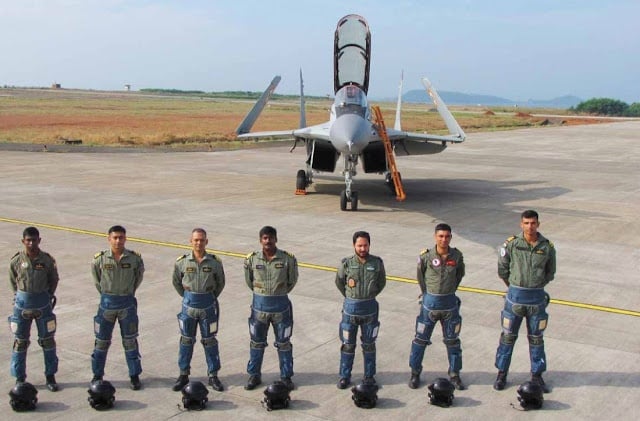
[(350, 131)]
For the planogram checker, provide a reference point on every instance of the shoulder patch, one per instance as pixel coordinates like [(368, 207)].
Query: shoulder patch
[(98, 254), (424, 251), (551, 244), (181, 257), (250, 254), (510, 238)]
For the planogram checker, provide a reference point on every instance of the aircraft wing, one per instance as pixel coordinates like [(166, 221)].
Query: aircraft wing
[(423, 137), (319, 131)]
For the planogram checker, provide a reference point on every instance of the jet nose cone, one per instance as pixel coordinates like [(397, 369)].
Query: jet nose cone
[(350, 133)]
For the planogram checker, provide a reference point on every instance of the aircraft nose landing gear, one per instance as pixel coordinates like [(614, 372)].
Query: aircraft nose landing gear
[(353, 200)]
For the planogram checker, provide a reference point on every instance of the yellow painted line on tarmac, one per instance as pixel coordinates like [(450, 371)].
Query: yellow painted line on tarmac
[(576, 304)]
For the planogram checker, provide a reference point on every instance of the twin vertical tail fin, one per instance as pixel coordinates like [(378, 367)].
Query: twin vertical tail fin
[(449, 120), (398, 125), (303, 113), (252, 116)]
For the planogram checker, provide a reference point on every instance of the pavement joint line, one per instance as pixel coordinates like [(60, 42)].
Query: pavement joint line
[(567, 303)]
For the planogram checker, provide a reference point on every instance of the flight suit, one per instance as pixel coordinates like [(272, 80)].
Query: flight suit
[(439, 278), (117, 282), (34, 283), (199, 285), (526, 269), (270, 282), (359, 283)]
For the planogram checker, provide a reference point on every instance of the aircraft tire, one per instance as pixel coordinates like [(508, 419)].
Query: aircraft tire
[(354, 201), (343, 200), (301, 180)]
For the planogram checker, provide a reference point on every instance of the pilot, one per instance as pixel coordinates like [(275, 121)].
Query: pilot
[(271, 274), (527, 263), (440, 271), (360, 279), (33, 277), (117, 274), (199, 279)]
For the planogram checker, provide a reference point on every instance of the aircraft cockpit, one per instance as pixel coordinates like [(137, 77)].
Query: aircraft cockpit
[(351, 99)]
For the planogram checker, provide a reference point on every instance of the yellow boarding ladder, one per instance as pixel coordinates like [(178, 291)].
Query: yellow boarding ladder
[(391, 160)]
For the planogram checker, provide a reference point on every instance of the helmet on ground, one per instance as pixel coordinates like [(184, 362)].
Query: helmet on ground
[(276, 396), (441, 392), (23, 397), (101, 395), (194, 396), (364, 395), (530, 395)]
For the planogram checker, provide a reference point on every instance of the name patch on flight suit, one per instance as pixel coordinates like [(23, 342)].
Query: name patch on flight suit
[(370, 268), (108, 266), (126, 266), (190, 270), (259, 266), (522, 248), (539, 251), (279, 265), (39, 266), (206, 269)]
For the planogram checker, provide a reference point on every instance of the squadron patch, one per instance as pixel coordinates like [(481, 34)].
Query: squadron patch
[(503, 251), (450, 263), (435, 262), (351, 283), (24, 265)]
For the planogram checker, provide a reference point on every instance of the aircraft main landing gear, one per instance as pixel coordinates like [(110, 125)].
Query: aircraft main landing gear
[(303, 180)]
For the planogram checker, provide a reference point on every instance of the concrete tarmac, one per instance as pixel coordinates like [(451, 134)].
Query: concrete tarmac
[(583, 180)]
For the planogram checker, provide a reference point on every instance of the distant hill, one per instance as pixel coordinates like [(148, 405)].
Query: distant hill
[(458, 98)]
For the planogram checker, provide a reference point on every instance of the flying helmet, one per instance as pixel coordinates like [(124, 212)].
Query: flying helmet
[(194, 396), (530, 395), (441, 392), (101, 395), (276, 396), (23, 397), (364, 395)]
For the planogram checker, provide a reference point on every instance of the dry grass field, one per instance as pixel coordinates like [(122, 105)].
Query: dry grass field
[(100, 118)]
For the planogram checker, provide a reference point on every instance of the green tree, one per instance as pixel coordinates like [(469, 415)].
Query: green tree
[(633, 110), (603, 106)]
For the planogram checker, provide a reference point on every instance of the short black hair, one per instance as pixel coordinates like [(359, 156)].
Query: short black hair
[(31, 232), (529, 213), (442, 227), (117, 228), (201, 230), (268, 230), (362, 234)]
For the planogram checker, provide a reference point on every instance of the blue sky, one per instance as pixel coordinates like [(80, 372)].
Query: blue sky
[(517, 49)]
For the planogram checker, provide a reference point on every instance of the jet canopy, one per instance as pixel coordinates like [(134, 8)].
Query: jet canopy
[(351, 53), (351, 99)]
